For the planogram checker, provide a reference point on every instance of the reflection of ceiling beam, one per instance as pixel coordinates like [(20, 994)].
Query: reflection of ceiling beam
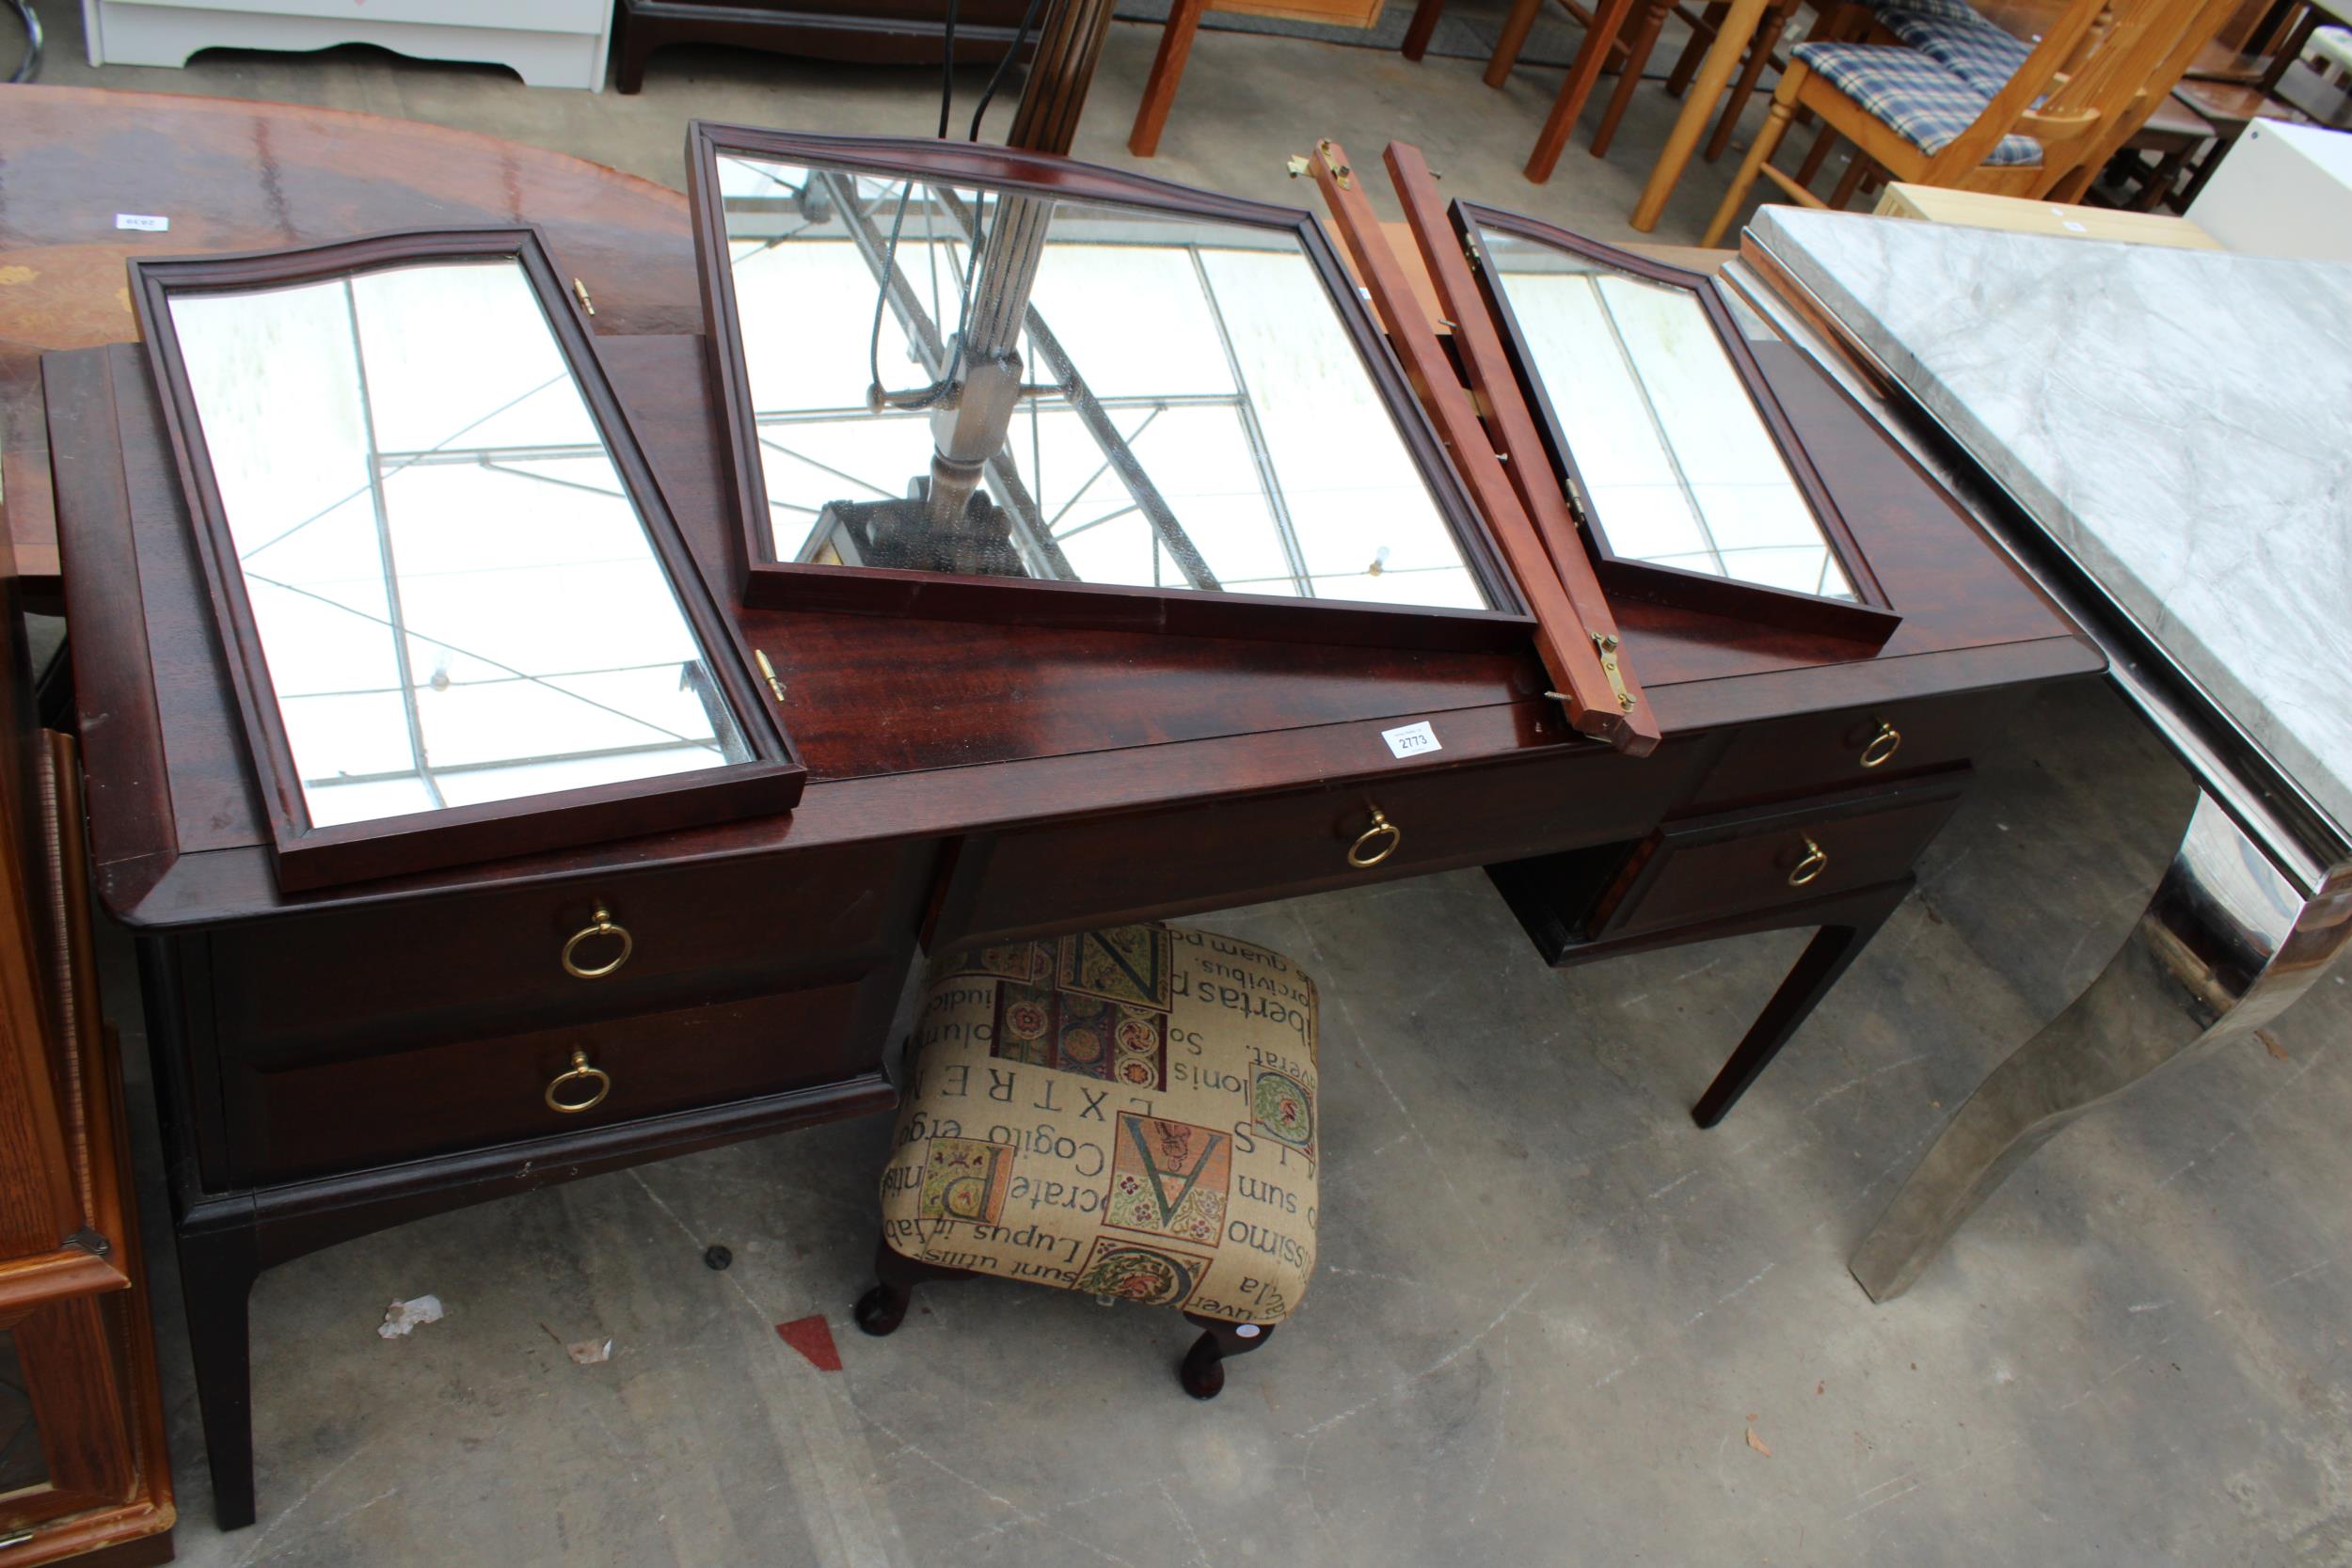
[(1147, 497), (1278, 508), (1004, 475), (452, 769)]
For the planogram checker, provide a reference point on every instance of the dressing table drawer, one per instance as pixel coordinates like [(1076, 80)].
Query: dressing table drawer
[(1150, 864), (1738, 862), (417, 971), (1857, 746), (309, 1117)]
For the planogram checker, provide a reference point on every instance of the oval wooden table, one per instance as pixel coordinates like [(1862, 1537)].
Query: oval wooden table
[(234, 175)]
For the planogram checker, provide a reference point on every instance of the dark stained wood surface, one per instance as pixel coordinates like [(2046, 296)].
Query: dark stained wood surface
[(916, 728)]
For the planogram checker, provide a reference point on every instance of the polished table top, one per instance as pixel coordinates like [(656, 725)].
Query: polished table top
[(909, 727), (2179, 422)]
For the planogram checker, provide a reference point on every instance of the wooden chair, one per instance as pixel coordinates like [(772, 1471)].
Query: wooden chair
[(1955, 105), (1183, 21)]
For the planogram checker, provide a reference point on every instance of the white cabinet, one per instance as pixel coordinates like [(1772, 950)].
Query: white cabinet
[(549, 44), (2283, 190)]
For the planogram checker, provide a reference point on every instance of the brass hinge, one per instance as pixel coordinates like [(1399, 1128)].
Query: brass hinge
[(767, 674), (1607, 646), (585, 302)]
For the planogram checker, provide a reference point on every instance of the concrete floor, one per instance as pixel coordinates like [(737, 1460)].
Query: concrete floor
[(1550, 1310)]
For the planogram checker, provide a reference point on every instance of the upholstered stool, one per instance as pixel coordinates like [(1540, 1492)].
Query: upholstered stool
[(1130, 1113)]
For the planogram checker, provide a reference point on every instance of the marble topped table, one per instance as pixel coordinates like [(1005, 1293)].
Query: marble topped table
[(2165, 437)]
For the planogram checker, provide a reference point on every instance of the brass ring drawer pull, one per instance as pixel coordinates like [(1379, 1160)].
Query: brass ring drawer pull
[(603, 927), (1882, 746), (581, 1073), (1381, 828), (1815, 862)]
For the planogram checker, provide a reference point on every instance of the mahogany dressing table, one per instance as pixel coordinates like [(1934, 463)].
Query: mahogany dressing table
[(341, 1060)]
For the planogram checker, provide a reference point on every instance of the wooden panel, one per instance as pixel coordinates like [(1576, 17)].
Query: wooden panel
[(1216, 855), (1827, 751), (1710, 867), (1981, 210), (1334, 13), (311, 1117), (441, 968)]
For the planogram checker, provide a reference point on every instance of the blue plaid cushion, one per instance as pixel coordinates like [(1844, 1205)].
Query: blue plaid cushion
[(1978, 54), (1958, 12), (1917, 99)]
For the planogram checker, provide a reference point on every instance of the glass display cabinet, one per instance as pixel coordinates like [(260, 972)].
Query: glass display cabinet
[(462, 621), (970, 382)]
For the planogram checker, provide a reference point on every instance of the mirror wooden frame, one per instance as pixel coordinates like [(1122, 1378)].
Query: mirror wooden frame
[(311, 857), (768, 582), (1867, 617)]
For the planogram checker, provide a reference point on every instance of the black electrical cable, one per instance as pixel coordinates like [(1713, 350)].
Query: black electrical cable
[(31, 68), (947, 71), (1019, 38)]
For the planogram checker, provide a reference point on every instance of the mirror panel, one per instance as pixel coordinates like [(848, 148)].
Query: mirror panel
[(1678, 467), (457, 600), (1198, 417)]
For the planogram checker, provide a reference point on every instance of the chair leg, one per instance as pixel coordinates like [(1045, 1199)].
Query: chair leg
[(1422, 27), (1202, 1373), (1686, 65), (1168, 70), (1515, 30), (1759, 56), (1857, 169), (882, 1309), (1816, 156), (1751, 167), (1608, 19), (1637, 57)]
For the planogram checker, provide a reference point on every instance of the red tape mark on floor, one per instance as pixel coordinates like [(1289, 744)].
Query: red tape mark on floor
[(813, 1338)]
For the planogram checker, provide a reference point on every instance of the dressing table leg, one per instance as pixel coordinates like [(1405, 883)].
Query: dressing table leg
[(2228, 942), (218, 1268), (1832, 951)]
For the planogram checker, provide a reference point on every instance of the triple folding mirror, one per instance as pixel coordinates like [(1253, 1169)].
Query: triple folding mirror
[(1691, 485), (969, 381), (460, 620)]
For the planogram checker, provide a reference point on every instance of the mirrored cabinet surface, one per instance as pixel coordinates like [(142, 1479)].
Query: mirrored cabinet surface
[(1690, 481), (464, 623), (1168, 407)]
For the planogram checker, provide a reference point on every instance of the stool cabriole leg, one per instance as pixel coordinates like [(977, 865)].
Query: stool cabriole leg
[(1203, 1370), (884, 1307)]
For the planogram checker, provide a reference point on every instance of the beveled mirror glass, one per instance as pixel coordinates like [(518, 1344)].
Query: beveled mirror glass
[(1194, 412), (457, 600), (1666, 434), (456, 596)]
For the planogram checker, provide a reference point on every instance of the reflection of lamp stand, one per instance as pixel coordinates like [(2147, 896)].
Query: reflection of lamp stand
[(947, 523)]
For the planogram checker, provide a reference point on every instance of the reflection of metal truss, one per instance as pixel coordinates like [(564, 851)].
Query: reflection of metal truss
[(1036, 534)]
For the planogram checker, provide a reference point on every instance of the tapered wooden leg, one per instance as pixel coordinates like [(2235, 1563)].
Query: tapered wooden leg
[(1722, 57), (1637, 58), (1825, 960), (881, 1309), (1168, 70), (1608, 19), (1515, 30), (1759, 56), (1422, 27), (1816, 156), (218, 1268), (1202, 1373), (1711, 25), (1767, 139), (1857, 169)]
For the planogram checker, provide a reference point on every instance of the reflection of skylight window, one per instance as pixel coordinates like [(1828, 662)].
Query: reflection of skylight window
[(1209, 380), (1680, 469), (456, 598)]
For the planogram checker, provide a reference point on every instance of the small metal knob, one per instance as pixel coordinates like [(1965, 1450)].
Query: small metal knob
[(1381, 828), (1815, 862), (1882, 746), (603, 927), (581, 1073)]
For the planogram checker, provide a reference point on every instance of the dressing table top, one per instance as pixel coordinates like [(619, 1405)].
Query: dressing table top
[(910, 728)]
